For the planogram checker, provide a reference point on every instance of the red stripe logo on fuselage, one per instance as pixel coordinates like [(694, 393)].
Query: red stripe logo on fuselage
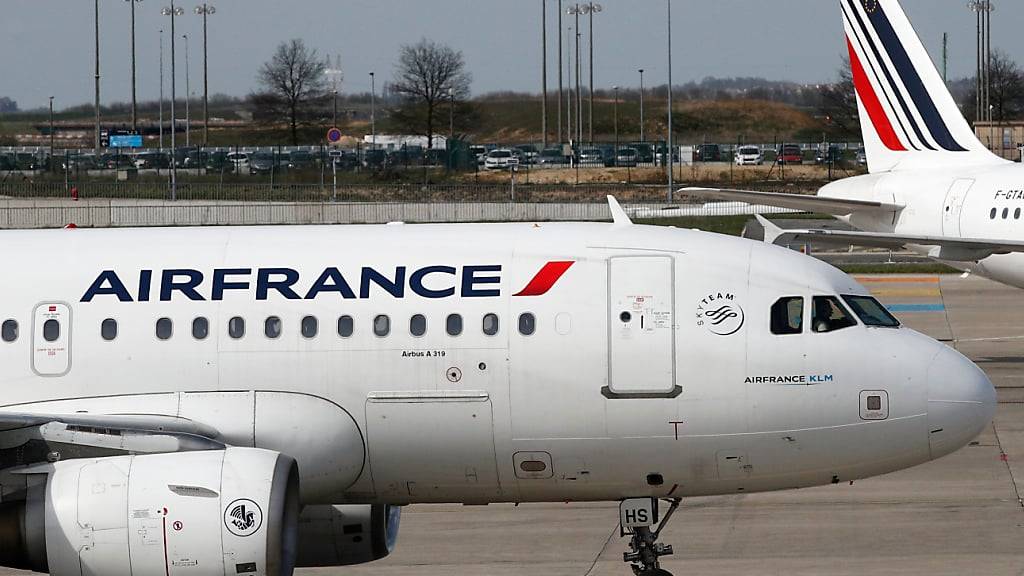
[(545, 280)]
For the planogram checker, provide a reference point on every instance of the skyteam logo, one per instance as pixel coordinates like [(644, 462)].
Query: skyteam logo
[(433, 282), (720, 314)]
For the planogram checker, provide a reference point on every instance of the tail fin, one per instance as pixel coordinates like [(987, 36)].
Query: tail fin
[(908, 117)]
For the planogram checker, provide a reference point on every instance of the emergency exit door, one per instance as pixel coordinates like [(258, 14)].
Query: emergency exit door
[(641, 323), (51, 339)]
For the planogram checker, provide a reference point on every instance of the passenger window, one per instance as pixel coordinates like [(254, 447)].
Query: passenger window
[(418, 325), (527, 324), (829, 315), (108, 329), (51, 330), (236, 327), (1016, 214), (272, 327), (490, 324), (871, 312), (1006, 213), (992, 214), (164, 328), (310, 327), (382, 325), (9, 331), (345, 326), (200, 328), (788, 316), (453, 325)]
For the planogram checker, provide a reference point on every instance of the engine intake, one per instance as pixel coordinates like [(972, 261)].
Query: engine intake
[(232, 511)]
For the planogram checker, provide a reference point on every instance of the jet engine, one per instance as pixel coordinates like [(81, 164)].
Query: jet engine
[(212, 513), (346, 535)]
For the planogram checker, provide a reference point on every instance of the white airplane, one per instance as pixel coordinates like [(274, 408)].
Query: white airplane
[(172, 398), (932, 185)]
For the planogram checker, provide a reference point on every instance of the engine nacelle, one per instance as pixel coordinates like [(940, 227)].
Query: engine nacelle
[(346, 535), (215, 513)]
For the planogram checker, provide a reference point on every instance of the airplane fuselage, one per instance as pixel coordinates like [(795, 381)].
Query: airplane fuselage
[(546, 362)]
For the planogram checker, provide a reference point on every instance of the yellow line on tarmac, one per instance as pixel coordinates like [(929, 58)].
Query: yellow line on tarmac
[(908, 292)]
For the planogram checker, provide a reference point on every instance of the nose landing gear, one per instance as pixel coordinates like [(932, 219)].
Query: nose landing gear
[(644, 548)]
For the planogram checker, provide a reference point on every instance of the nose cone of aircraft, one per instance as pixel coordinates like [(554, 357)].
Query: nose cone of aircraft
[(961, 402)]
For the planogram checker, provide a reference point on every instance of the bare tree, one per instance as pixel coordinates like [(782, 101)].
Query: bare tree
[(839, 103), (293, 80), (1007, 93), (428, 78)]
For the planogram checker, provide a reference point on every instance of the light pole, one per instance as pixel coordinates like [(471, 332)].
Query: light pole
[(642, 105), (592, 8), (188, 97), (135, 107), (51, 132), (561, 89), (161, 90), (616, 116), (544, 71), (205, 10), (451, 126), (373, 110), (334, 75), (97, 103), (173, 12), (671, 159), (575, 10)]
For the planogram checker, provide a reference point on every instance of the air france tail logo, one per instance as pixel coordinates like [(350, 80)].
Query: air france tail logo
[(432, 282), (889, 86)]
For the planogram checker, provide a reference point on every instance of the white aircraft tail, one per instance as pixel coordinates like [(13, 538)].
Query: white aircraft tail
[(908, 117)]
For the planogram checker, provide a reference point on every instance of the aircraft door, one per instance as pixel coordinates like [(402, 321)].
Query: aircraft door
[(51, 339), (641, 326), (953, 207)]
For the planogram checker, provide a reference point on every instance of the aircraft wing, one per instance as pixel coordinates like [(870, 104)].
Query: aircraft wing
[(943, 248), (29, 438), (801, 202)]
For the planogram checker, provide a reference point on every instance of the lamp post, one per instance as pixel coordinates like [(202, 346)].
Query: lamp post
[(51, 132), (97, 103), (451, 126), (188, 97), (592, 8), (671, 159), (161, 90), (334, 74), (642, 105), (173, 12), (616, 116), (135, 107), (561, 88), (205, 10), (373, 110), (544, 71)]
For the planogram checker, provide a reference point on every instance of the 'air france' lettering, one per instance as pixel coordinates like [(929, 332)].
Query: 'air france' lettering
[(431, 282)]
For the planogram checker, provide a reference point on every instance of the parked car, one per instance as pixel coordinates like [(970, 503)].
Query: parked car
[(627, 158), (7, 163), (644, 152), (240, 160), (502, 159), (862, 157), (708, 153), (660, 157), (480, 153), (591, 156), (829, 155), (219, 162), (527, 154), (152, 161), (790, 154), (749, 156), (552, 157), (300, 160), (375, 158), (262, 163)]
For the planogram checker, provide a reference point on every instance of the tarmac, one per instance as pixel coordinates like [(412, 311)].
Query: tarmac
[(959, 515)]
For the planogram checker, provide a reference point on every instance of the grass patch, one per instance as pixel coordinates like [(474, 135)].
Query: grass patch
[(898, 268)]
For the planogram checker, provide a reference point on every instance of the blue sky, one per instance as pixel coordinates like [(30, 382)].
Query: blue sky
[(48, 44)]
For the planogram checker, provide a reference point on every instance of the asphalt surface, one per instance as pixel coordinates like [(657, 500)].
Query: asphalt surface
[(958, 515)]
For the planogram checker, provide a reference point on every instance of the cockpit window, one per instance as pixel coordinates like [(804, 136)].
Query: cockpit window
[(830, 315), (871, 312), (788, 316)]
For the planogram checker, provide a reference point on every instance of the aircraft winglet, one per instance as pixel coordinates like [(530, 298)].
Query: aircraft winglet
[(771, 231), (619, 215)]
